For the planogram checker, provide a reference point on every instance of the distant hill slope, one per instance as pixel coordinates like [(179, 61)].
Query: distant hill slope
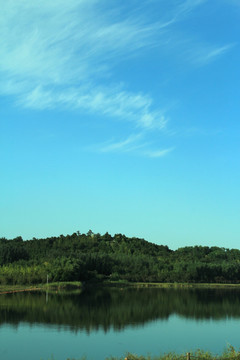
[(94, 256)]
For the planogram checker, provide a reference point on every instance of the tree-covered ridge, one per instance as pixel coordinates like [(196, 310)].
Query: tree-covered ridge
[(94, 256)]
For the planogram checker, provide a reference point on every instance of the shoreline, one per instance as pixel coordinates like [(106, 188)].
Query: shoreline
[(66, 285), (9, 289), (169, 285)]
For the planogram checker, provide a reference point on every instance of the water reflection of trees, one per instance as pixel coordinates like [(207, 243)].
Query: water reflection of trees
[(116, 308)]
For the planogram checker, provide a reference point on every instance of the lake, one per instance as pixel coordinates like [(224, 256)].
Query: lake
[(113, 321)]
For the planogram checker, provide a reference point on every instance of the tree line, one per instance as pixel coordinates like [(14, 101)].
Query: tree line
[(96, 257)]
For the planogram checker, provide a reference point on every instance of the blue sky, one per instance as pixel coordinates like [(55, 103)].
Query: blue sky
[(121, 116)]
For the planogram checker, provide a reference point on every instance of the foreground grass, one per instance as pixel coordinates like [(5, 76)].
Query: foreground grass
[(229, 354)]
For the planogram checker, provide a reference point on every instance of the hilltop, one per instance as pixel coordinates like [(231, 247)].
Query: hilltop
[(95, 257)]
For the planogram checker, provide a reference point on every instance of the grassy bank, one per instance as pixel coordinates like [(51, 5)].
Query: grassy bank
[(67, 285), (16, 288), (74, 285), (168, 285)]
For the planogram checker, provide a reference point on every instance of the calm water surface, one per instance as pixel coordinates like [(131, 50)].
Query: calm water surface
[(108, 322)]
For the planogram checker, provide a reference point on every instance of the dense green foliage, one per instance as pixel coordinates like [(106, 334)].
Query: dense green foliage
[(81, 257)]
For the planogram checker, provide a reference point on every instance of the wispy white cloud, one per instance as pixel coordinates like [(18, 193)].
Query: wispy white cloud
[(67, 42), (158, 153), (185, 45), (187, 6), (133, 143), (129, 144), (208, 54), (58, 54), (62, 54), (112, 102)]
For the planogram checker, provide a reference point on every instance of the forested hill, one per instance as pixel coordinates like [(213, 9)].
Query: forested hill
[(98, 257)]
